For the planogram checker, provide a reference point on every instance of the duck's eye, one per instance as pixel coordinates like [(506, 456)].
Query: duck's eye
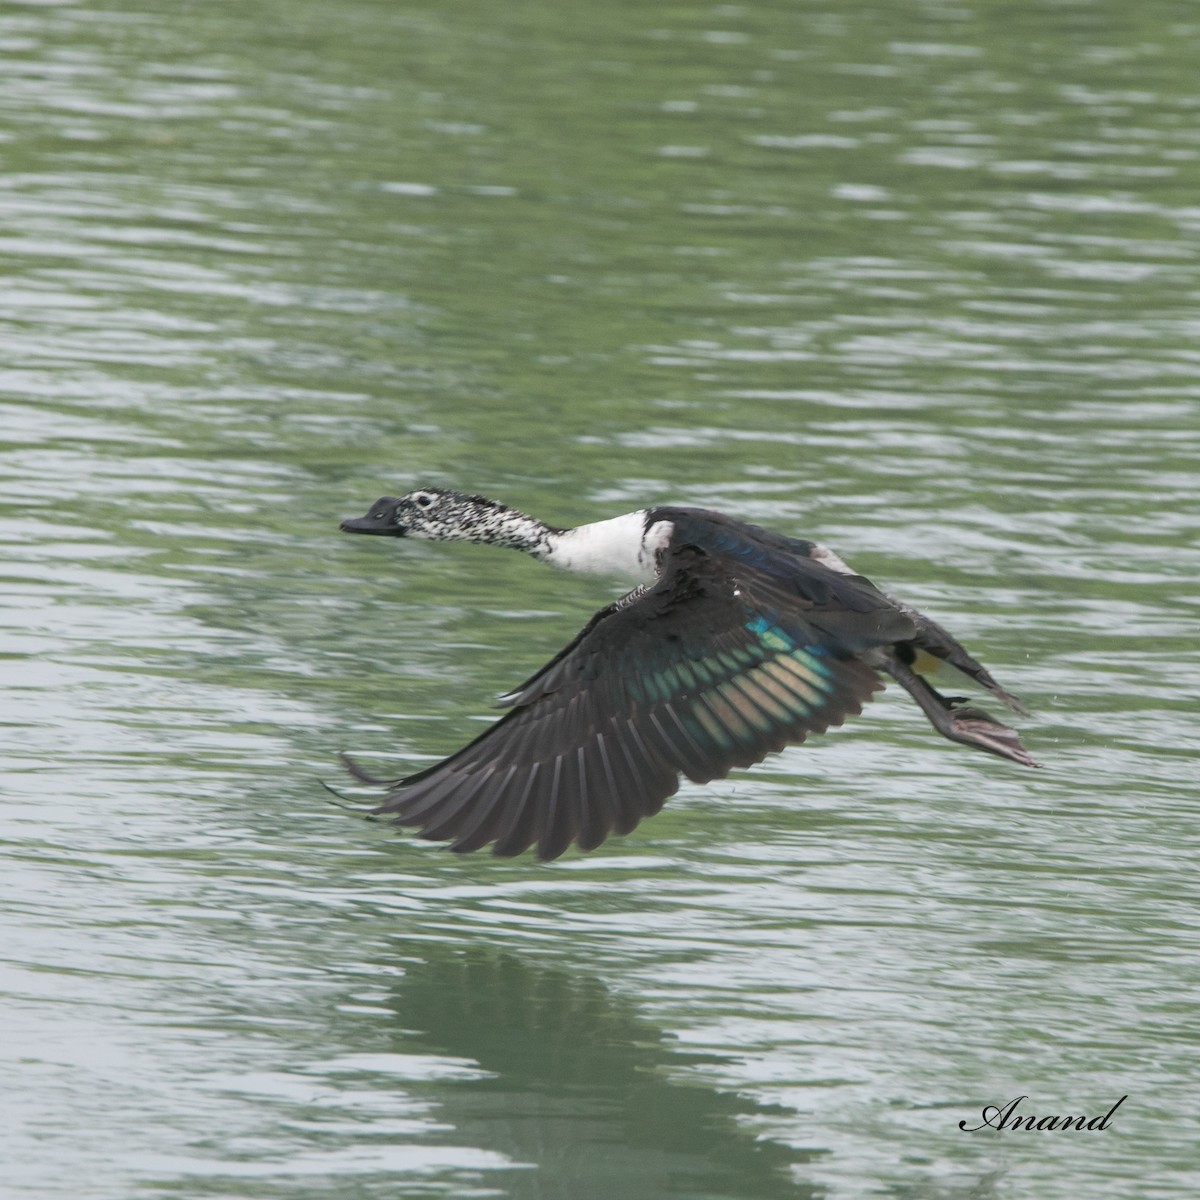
[(423, 499)]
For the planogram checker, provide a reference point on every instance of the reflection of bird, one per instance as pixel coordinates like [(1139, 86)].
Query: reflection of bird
[(587, 1092), (735, 642)]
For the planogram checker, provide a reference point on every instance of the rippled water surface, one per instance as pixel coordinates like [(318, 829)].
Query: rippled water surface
[(921, 281)]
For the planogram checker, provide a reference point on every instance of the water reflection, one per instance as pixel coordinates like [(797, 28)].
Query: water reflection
[(581, 1086)]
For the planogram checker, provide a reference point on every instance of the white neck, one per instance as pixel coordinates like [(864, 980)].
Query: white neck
[(622, 546)]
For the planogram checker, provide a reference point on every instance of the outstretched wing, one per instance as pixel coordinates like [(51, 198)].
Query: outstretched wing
[(696, 675)]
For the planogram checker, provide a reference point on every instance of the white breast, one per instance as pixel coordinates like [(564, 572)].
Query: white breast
[(622, 546)]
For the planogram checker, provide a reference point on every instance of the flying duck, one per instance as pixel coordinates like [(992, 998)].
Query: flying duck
[(734, 643)]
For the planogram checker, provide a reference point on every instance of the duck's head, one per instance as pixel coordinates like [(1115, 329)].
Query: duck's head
[(437, 514)]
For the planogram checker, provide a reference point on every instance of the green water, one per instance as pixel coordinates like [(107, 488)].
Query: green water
[(920, 280)]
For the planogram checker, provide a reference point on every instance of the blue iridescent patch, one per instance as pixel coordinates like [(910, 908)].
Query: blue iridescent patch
[(771, 635)]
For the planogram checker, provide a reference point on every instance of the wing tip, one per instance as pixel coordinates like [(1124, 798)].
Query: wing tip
[(362, 774)]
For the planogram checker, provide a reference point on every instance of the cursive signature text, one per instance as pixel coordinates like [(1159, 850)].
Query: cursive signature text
[(1005, 1116)]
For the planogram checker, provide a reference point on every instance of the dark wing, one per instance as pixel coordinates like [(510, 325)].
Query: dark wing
[(696, 675), (838, 598)]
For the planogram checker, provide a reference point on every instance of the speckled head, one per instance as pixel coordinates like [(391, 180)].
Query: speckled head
[(441, 515)]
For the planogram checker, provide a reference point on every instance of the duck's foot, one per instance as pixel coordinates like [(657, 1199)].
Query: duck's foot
[(955, 718)]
